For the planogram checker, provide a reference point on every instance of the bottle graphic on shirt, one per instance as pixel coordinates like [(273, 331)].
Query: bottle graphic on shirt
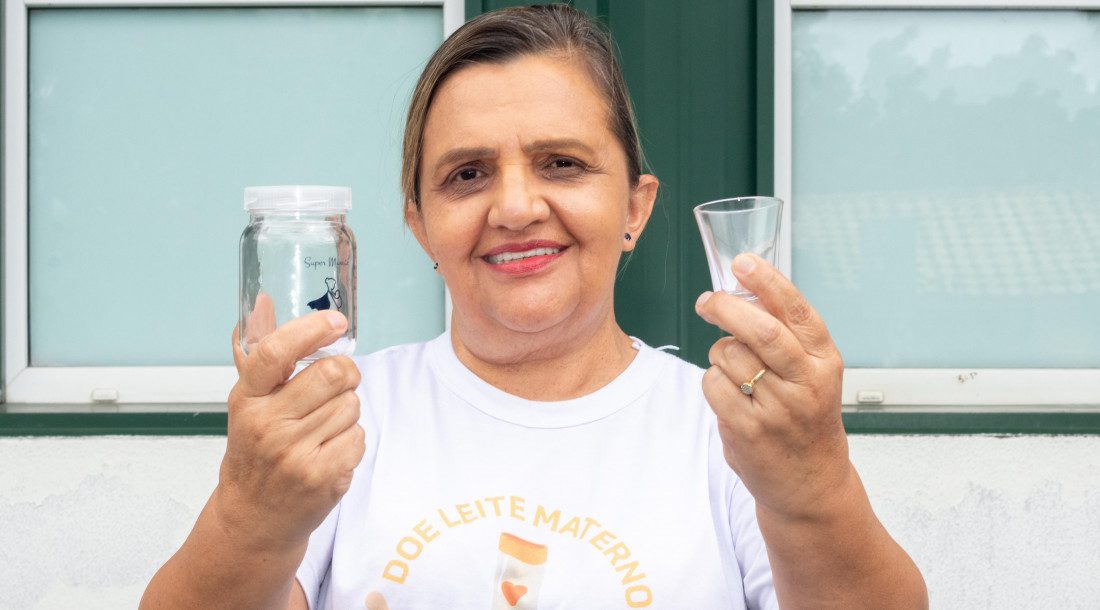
[(519, 573)]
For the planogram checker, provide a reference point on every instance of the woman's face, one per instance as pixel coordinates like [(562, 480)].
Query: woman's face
[(525, 196)]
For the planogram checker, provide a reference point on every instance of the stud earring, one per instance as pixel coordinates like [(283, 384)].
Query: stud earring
[(628, 237), (435, 266)]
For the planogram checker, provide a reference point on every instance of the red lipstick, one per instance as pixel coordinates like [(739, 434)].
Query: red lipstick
[(523, 258)]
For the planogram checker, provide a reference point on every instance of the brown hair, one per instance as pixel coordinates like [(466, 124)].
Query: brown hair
[(504, 35)]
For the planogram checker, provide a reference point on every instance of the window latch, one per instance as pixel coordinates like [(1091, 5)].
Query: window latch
[(105, 395)]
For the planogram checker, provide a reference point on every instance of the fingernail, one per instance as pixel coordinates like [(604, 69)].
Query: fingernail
[(335, 320), (744, 263), (703, 298)]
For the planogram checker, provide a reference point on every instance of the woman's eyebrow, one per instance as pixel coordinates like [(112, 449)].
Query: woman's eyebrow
[(557, 144), (456, 155)]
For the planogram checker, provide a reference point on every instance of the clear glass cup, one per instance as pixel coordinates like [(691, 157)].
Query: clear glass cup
[(297, 256), (732, 226)]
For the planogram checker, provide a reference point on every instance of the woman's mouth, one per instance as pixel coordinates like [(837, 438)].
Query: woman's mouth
[(524, 258), (507, 257)]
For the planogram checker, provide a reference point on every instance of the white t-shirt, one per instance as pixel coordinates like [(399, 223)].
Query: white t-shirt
[(469, 497)]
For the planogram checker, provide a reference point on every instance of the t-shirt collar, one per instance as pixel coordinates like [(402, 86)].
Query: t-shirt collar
[(629, 386)]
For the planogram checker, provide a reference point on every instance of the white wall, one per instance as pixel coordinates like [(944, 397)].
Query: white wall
[(993, 522)]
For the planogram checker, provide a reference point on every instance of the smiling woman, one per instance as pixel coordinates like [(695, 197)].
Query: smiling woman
[(536, 456), (525, 198)]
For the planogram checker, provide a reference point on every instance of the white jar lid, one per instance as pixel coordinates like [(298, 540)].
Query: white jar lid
[(297, 197)]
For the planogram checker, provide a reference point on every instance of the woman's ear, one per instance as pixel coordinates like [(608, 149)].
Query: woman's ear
[(414, 218), (640, 208)]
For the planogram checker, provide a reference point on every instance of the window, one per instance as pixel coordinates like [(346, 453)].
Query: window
[(130, 135), (943, 170)]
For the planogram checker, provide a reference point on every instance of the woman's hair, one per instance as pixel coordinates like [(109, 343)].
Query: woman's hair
[(501, 36)]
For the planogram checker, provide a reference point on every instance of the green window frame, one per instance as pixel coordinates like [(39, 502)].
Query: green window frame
[(192, 398), (1055, 401), (702, 74)]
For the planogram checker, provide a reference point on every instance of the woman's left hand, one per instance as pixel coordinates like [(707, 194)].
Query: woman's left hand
[(786, 440)]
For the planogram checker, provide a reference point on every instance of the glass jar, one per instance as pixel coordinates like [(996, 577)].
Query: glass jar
[(297, 257)]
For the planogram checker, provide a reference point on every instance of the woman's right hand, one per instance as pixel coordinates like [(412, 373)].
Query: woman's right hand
[(292, 448), (292, 445)]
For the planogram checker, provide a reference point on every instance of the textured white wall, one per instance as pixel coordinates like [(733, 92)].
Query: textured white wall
[(85, 522), (993, 522)]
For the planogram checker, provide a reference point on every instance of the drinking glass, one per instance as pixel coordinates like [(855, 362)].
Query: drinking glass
[(732, 226)]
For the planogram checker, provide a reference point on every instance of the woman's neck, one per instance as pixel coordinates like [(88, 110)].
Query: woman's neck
[(543, 366)]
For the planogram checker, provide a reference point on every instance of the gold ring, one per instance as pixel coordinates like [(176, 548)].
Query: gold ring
[(746, 388)]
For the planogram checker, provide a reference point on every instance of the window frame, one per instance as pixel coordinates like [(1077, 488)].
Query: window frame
[(118, 389), (923, 390)]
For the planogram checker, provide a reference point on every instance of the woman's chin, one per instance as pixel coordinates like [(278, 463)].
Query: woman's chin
[(531, 318), (531, 324)]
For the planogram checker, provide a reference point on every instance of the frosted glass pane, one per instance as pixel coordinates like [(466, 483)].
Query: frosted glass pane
[(146, 125), (946, 194)]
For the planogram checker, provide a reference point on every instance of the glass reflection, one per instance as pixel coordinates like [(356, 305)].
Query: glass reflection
[(946, 196)]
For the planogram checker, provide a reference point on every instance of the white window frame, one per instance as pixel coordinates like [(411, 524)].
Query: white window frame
[(121, 388), (925, 389)]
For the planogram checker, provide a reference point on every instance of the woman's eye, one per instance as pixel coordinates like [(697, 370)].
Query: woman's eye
[(565, 167), (466, 180)]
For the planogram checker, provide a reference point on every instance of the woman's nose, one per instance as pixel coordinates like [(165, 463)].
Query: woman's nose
[(517, 203)]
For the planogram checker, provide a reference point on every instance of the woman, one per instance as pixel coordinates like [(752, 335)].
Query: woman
[(536, 455)]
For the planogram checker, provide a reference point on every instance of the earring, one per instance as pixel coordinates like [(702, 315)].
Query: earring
[(628, 237), (435, 266)]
